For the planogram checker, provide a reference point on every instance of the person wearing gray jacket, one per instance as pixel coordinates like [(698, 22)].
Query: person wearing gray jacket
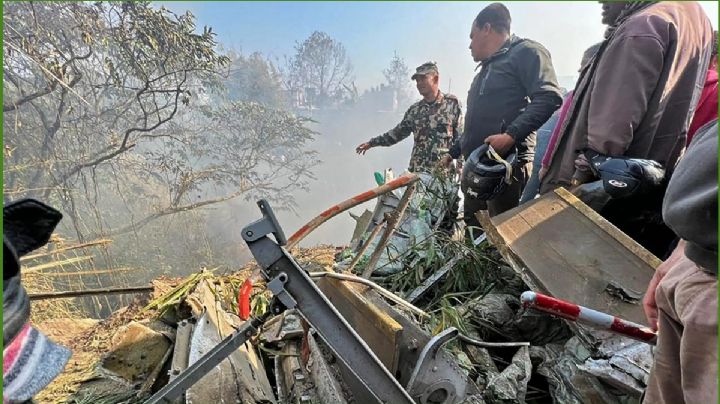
[(513, 95), (681, 300)]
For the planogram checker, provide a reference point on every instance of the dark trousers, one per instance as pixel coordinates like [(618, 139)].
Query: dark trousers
[(506, 200), (640, 218)]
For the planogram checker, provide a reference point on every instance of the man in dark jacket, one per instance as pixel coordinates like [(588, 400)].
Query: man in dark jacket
[(510, 98)]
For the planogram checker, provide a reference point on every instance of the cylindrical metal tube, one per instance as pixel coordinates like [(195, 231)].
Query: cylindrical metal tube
[(574, 312), (347, 204)]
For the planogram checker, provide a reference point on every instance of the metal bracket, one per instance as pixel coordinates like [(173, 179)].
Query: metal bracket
[(428, 382), (181, 351), (277, 287), (262, 227)]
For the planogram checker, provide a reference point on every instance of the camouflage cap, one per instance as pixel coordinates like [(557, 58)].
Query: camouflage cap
[(425, 68)]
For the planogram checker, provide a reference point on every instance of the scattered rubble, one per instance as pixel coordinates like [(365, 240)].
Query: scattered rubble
[(136, 351), (473, 288)]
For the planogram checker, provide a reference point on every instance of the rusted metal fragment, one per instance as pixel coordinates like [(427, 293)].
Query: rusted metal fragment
[(136, 351)]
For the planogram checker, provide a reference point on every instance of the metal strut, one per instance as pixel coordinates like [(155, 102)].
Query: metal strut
[(294, 288), (188, 377)]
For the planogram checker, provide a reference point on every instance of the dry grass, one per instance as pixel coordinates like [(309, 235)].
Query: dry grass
[(81, 364), (64, 265), (42, 310), (90, 339)]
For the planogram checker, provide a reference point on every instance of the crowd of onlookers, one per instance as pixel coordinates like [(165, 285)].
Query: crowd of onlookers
[(637, 137)]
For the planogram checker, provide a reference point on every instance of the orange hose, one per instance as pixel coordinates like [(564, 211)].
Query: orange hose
[(398, 182)]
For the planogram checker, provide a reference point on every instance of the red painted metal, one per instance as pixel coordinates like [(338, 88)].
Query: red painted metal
[(588, 316), (632, 330), (244, 299), (557, 307)]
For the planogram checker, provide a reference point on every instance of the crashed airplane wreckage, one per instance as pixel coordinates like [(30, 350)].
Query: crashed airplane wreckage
[(335, 336), (415, 368)]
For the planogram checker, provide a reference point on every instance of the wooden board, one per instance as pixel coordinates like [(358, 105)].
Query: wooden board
[(563, 248), (380, 331)]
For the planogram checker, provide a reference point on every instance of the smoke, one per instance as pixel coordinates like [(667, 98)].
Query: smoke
[(340, 174)]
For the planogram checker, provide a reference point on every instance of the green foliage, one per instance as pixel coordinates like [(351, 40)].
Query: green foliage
[(470, 274), (259, 304), (171, 299)]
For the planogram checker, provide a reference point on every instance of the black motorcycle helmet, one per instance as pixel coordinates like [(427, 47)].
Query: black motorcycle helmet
[(624, 177), (486, 174)]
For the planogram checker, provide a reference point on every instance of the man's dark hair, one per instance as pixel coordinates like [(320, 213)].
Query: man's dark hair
[(497, 15)]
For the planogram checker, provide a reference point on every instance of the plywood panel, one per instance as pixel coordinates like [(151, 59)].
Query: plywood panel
[(565, 249)]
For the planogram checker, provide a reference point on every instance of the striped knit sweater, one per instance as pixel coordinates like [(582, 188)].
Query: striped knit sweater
[(30, 363)]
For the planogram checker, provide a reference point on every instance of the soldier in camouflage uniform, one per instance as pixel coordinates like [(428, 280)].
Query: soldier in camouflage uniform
[(435, 122)]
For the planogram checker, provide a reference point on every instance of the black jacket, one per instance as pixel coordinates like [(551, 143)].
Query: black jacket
[(516, 92)]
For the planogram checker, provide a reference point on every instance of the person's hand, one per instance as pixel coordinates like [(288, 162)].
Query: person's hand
[(649, 303), (445, 161), (582, 164), (501, 142), (459, 167), (363, 148)]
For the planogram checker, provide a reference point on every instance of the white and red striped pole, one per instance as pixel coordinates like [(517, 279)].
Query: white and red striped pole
[(587, 316)]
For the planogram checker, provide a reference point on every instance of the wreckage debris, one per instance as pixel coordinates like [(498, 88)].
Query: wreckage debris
[(501, 352)]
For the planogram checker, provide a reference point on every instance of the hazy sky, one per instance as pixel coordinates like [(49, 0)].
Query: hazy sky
[(418, 31)]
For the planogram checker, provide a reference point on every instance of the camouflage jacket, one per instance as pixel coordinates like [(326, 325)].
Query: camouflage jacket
[(436, 126)]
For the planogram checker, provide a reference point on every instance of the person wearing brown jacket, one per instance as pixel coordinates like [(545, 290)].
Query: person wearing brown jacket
[(636, 100)]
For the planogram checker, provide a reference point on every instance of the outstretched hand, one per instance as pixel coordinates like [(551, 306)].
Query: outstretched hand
[(363, 148)]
